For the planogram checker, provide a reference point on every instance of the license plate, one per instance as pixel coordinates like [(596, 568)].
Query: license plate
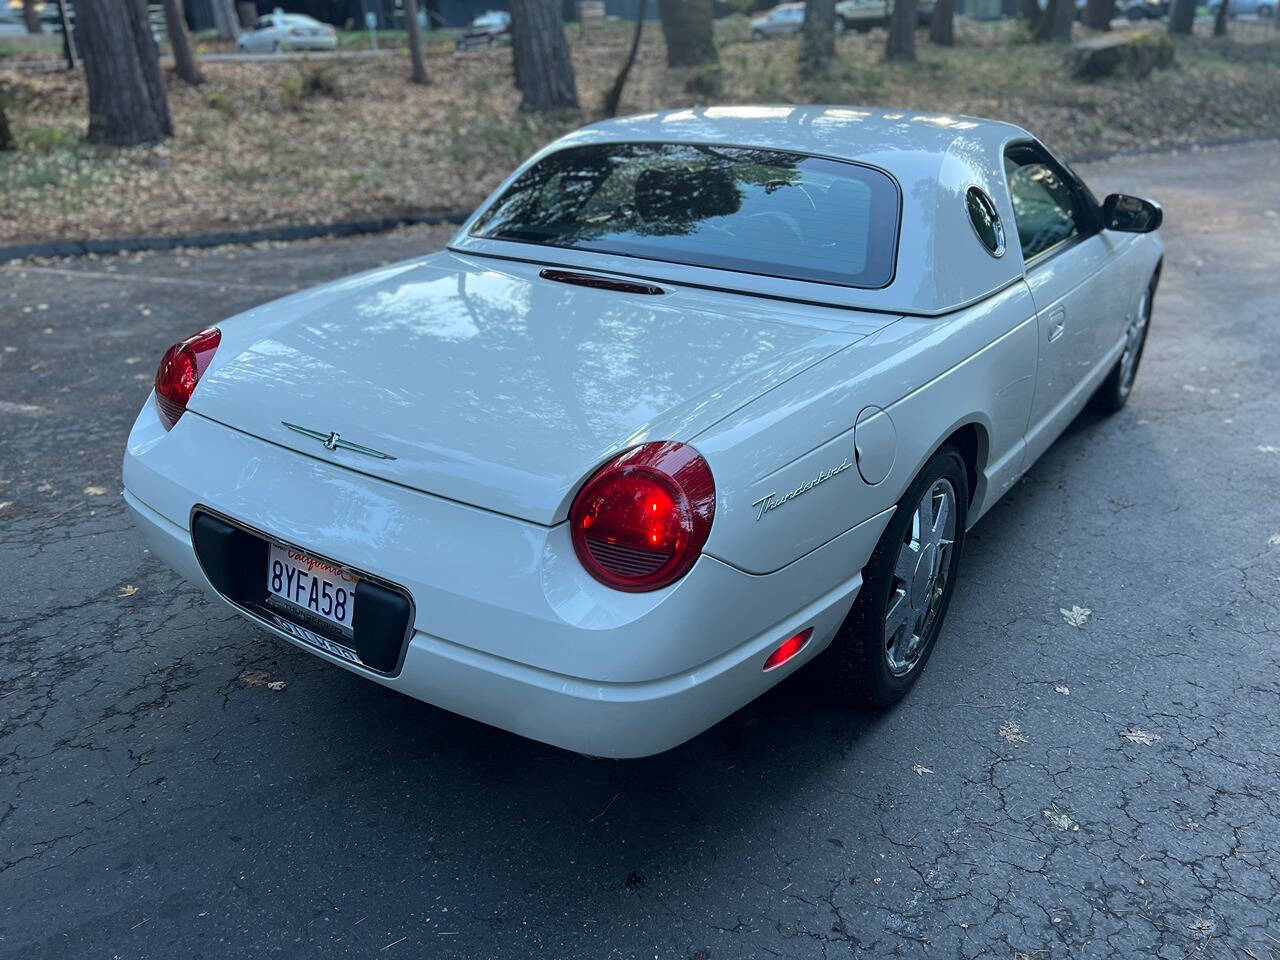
[(313, 585)]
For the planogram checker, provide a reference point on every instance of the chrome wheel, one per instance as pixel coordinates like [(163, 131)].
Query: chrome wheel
[(1134, 339), (920, 577)]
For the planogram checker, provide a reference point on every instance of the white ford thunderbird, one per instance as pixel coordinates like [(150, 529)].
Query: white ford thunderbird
[(694, 398)]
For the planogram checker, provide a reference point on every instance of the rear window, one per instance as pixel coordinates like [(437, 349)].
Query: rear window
[(732, 208)]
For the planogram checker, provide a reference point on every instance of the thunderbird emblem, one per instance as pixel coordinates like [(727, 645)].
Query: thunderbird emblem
[(334, 441)]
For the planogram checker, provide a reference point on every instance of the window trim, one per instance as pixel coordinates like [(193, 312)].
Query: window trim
[(1087, 205), (893, 180)]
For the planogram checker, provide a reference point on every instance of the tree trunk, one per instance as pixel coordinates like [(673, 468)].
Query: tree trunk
[(902, 31), (818, 36), (31, 16), (1055, 25), (6, 135), (225, 19), (247, 13), (687, 28), (411, 25), (1220, 19), (614, 96), (942, 27), (184, 60), (127, 104), (1029, 12), (541, 56), (1098, 14), (1182, 17), (64, 27)]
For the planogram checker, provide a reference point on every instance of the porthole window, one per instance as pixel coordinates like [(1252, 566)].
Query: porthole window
[(985, 220)]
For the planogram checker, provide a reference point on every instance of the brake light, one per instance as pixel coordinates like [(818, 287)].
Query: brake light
[(640, 521), (788, 648), (180, 370)]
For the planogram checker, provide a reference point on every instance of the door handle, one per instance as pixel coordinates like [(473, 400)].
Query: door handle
[(1057, 324)]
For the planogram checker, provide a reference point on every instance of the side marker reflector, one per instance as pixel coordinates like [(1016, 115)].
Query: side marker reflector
[(788, 649)]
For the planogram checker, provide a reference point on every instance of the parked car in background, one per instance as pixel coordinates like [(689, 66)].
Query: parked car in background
[(784, 18), (692, 399), (487, 30), (276, 32), (865, 14), (1262, 8), (1141, 9)]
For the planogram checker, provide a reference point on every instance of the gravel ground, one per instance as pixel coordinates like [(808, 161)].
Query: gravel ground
[(1048, 790)]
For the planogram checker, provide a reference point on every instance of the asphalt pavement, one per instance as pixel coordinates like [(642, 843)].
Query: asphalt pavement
[(175, 783)]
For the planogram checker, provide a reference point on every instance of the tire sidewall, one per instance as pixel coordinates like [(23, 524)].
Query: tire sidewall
[(865, 624), (1110, 398)]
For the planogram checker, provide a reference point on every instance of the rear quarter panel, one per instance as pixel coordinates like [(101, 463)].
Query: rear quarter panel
[(930, 376)]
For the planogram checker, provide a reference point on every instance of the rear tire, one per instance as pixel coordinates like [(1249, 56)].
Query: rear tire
[(890, 632)]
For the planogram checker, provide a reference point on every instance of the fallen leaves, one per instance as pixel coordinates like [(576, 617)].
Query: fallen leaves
[(257, 678), (1268, 448), (1011, 732), (1273, 540), (1134, 735), (241, 155), (920, 770), (1059, 819), (128, 590), (1077, 616), (1062, 689), (92, 491)]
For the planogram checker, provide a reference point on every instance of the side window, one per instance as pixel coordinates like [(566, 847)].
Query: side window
[(263, 24), (1046, 209)]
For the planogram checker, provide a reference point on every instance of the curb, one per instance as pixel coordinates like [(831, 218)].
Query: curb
[(343, 228)]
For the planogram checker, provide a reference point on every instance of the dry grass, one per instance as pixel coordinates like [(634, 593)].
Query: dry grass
[(265, 143)]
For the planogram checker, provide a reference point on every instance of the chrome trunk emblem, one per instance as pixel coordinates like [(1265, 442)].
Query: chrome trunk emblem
[(334, 441)]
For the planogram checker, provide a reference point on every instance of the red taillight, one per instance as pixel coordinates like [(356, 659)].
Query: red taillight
[(640, 521), (788, 649), (179, 372)]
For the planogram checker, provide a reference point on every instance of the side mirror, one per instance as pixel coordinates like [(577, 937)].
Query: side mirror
[(1131, 214)]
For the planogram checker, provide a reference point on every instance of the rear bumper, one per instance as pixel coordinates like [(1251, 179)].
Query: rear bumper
[(507, 631)]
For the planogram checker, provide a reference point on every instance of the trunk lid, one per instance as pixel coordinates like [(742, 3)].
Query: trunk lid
[(495, 388)]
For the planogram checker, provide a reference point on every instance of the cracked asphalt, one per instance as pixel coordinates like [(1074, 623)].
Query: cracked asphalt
[(1107, 790)]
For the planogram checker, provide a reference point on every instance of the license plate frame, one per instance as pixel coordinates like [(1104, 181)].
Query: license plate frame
[(234, 558)]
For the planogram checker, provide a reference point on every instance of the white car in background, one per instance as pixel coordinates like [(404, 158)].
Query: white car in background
[(693, 398), (784, 18), (278, 32), (865, 14)]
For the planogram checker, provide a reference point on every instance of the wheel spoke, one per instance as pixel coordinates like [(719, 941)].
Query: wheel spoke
[(940, 521), (924, 518), (905, 568), (897, 615)]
